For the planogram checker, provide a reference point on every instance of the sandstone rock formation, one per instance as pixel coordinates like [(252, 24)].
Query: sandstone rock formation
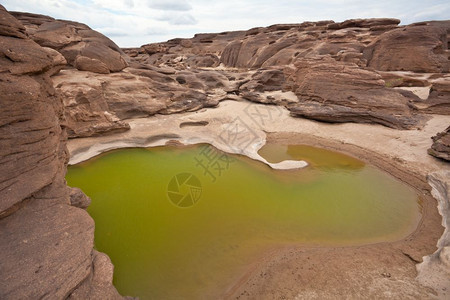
[(333, 91), (298, 59), (441, 145), (46, 245), (439, 100), (326, 71), (83, 48), (393, 50)]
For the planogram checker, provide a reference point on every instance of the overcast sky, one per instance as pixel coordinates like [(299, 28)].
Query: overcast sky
[(132, 23)]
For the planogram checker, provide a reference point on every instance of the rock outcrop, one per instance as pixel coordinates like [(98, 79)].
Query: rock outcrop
[(83, 48), (61, 78), (46, 244), (291, 64), (333, 91), (438, 101), (421, 47), (441, 145)]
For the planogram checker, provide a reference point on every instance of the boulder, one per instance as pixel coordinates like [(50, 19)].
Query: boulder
[(333, 91), (78, 198), (438, 101), (73, 40), (84, 63), (441, 145)]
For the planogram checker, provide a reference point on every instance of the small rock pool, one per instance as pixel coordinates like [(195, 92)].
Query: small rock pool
[(187, 222)]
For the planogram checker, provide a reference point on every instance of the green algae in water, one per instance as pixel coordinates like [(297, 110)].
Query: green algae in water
[(162, 251)]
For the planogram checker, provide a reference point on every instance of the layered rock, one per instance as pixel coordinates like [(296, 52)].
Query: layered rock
[(333, 91), (46, 244), (265, 57), (438, 101), (419, 47), (83, 48), (92, 99), (441, 145)]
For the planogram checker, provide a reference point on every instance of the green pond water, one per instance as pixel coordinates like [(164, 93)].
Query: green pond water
[(185, 223)]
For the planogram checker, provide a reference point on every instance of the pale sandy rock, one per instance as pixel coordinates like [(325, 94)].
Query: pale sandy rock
[(434, 271)]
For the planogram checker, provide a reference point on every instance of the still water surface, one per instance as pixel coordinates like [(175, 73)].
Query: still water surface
[(190, 236)]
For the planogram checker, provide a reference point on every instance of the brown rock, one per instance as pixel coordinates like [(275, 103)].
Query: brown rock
[(99, 283), (23, 56), (78, 198), (441, 145), (154, 48), (29, 132), (74, 39), (137, 93), (112, 59), (438, 101), (56, 35), (84, 63), (86, 110), (231, 53), (45, 243), (46, 249), (10, 26), (203, 61), (338, 92), (364, 23), (417, 48), (402, 80)]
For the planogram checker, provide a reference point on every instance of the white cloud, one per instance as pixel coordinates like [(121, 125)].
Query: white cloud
[(184, 19), (138, 22), (177, 5)]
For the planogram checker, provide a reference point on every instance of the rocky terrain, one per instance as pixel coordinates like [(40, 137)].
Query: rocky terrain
[(61, 79), (46, 241), (374, 75)]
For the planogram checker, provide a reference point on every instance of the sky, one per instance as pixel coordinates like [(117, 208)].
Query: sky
[(132, 23)]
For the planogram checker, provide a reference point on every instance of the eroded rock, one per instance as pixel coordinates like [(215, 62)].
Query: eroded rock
[(82, 47), (332, 91), (441, 145), (46, 244), (417, 48)]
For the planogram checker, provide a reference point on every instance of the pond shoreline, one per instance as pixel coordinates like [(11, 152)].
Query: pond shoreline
[(389, 267)]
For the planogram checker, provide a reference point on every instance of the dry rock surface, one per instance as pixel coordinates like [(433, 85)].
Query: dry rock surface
[(46, 244), (441, 145), (61, 79)]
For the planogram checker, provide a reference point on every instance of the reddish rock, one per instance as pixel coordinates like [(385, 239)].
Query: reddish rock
[(438, 101), (46, 245), (10, 26), (84, 63), (56, 35), (417, 48), (338, 92), (74, 39)]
